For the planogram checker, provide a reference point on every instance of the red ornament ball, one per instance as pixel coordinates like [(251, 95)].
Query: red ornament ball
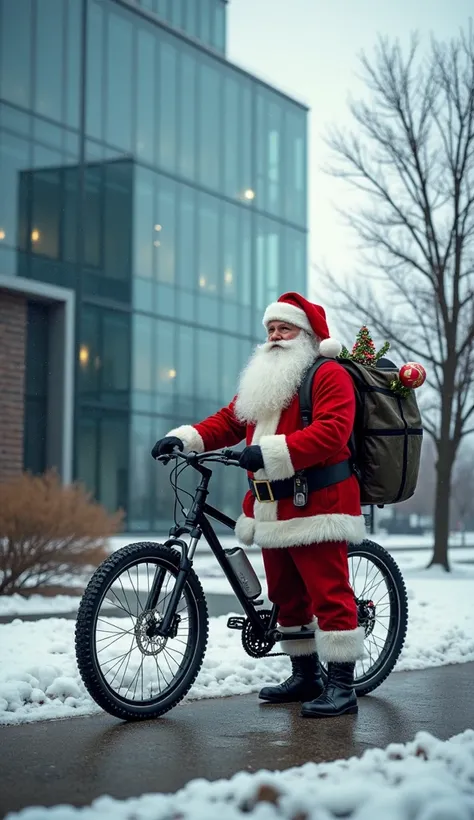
[(412, 374)]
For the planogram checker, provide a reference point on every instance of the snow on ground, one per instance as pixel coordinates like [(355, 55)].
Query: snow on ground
[(38, 604), (426, 779), (39, 677)]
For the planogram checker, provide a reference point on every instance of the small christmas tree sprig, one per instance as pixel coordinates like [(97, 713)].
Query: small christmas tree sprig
[(399, 388), (363, 350)]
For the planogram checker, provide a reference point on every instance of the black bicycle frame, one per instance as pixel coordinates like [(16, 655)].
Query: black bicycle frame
[(195, 525)]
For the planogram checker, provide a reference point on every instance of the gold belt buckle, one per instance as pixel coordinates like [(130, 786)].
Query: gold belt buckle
[(270, 493)]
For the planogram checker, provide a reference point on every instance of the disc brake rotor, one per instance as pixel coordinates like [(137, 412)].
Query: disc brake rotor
[(149, 643)]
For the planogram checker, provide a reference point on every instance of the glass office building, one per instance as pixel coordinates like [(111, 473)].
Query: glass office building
[(152, 202)]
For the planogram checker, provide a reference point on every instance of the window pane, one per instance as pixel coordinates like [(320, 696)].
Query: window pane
[(294, 269), (295, 187), (14, 177), (143, 223), (73, 62), (89, 361), (119, 81), (15, 51), (146, 96), (205, 20), (185, 371), (164, 244), (165, 366), (142, 357), (232, 137), (71, 193), (207, 368), (49, 58), (210, 121), (246, 268), (115, 353), (232, 356), (117, 219), (177, 12), (247, 181), (87, 453), (45, 212), (95, 39), (218, 25), (268, 262), (231, 252), (167, 119), (113, 463), (187, 274), (208, 232), (162, 8), (274, 148), (187, 102), (142, 438), (190, 20), (93, 215)]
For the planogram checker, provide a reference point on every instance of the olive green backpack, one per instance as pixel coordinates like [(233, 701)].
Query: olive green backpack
[(387, 435)]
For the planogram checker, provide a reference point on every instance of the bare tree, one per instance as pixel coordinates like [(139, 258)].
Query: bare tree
[(412, 157)]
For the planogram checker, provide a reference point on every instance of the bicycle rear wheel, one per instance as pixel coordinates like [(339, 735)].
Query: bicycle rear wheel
[(382, 606), (130, 672)]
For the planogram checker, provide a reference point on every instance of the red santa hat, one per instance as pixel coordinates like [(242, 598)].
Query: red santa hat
[(296, 310)]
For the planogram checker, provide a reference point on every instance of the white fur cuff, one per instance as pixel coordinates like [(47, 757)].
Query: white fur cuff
[(276, 458), (343, 646), (305, 646), (245, 530), (190, 437)]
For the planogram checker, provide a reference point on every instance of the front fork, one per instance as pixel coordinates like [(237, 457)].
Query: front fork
[(165, 628)]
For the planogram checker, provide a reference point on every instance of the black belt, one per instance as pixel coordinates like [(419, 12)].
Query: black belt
[(317, 477)]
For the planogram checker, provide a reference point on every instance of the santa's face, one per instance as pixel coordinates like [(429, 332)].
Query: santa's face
[(274, 372)]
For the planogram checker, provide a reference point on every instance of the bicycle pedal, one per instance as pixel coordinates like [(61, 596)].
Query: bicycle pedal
[(235, 623)]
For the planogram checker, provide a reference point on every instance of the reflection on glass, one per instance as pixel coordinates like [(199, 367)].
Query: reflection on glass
[(94, 70), (14, 158), (208, 232), (142, 438), (49, 52), (145, 95), (187, 103), (164, 247), (142, 352), (167, 118), (119, 81), (15, 51), (210, 125), (144, 217)]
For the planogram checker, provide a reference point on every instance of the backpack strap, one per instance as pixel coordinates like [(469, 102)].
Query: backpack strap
[(305, 392)]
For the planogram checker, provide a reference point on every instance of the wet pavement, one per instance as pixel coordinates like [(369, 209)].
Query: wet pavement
[(77, 760)]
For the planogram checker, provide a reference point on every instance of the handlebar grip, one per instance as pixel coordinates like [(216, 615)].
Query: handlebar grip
[(234, 455)]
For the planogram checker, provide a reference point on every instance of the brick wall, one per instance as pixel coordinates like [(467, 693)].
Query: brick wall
[(12, 376)]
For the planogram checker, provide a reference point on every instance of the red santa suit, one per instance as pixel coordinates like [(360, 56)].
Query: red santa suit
[(304, 548)]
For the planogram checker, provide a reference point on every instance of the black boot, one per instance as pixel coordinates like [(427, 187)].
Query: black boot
[(338, 698), (305, 682)]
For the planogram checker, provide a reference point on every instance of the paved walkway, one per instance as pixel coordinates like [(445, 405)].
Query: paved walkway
[(75, 761)]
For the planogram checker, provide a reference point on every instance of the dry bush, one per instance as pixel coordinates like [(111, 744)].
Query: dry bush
[(48, 531)]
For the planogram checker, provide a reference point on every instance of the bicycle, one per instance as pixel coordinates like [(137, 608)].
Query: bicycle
[(171, 623)]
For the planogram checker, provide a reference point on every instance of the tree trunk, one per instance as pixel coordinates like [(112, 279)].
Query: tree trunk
[(442, 503)]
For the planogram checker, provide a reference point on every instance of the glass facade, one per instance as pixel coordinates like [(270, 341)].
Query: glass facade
[(204, 20), (168, 189)]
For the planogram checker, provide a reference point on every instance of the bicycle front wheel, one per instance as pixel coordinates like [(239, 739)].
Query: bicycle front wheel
[(129, 671)]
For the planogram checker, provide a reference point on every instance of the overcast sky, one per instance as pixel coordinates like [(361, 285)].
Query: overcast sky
[(309, 48)]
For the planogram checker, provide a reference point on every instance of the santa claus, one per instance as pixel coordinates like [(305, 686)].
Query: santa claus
[(303, 505)]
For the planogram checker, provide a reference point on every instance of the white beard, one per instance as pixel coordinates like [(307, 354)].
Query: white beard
[(272, 377)]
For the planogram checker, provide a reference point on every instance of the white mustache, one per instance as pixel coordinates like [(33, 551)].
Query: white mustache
[(283, 344)]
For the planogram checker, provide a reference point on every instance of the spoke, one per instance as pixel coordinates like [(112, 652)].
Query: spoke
[(125, 595), (135, 591), (114, 640), (125, 671), (120, 605)]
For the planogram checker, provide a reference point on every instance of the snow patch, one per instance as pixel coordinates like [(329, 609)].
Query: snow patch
[(426, 779)]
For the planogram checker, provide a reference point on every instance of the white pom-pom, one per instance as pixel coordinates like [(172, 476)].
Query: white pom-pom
[(330, 348)]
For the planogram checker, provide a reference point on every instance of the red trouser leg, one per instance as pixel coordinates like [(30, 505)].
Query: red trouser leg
[(286, 588), (314, 579)]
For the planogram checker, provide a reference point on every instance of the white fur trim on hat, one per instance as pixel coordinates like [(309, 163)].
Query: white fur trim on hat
[(190, 437), (330, 348), (284, 312), (276, 458), (344, 646)]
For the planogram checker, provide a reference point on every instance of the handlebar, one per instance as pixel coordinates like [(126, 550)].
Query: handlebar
[(228, 457)]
